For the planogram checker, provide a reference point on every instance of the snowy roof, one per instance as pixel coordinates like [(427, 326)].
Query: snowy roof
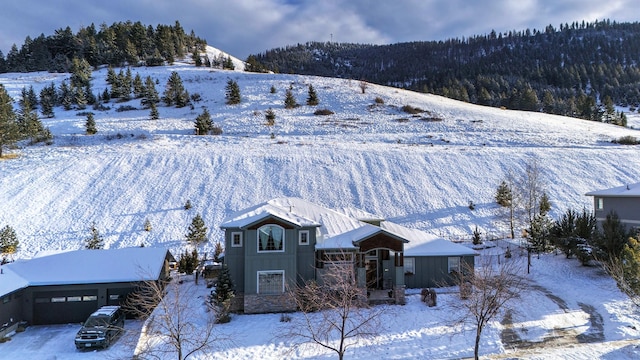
[(630, 190), (85, 267), (340, 229), (10, 281)]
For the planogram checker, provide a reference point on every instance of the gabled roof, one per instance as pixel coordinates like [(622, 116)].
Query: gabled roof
[(10, 281), (247, 217), (631, 190), (84, 267), (341, 229)]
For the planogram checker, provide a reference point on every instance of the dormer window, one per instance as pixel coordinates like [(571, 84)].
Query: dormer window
[(271, 238)]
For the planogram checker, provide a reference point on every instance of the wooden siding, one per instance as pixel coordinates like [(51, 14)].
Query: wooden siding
[(255, 261), (11, 307), (67, 311), (381, 241), (234, 258), (627, 208), (431, 271), (305, 257)]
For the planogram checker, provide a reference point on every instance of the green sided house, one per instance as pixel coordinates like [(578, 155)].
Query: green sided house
[(623, 200), (284, 242), (67, 287)]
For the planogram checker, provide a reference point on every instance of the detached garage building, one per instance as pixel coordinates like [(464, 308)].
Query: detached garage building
[(67, 287)]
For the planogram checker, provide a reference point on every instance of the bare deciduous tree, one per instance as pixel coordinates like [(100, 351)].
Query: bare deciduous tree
[(491, 289), (335, 314), (363, 86), (177, 322)]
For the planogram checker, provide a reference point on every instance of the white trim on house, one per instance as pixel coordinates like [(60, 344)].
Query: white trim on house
[(409, 265), (266, 282), (303, 237), (233, 239), (453, 263), (279, 247)]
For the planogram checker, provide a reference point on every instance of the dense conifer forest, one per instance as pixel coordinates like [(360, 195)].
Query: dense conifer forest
[(579, 69), (116, 45)]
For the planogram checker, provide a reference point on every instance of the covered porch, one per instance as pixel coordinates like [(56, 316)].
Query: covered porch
[(380, 268)]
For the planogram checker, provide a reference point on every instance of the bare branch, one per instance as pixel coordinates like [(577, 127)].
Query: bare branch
[(177, 323), (335, 314), (492, 287)]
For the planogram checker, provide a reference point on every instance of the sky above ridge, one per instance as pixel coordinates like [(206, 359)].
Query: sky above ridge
[(244, 27)]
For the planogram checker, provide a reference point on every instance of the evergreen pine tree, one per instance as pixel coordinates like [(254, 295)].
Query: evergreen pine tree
[(270, 115), (174, 93), (504, 194), (613, 237), (90, 125), (203, 123), (150, 93), (272, 89), (8, 242), (232, 93), (630, 260), (197, 231), (289, 100), (153, 112), (80, 73), (188, 262), (66, 97), (138, 87), (48, 100), (217, 251), (545, 204), (80, 98), (228, 64), (9, 129), (30, 126), (223, 295), (187, 205), (147, 225), (312, 98), (95, 241)]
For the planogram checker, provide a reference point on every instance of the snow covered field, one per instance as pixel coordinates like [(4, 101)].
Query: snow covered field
[(419, 171)]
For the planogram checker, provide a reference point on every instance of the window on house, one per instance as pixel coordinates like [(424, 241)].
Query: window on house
[(454, 264), (74, 298), (409, 266), (599, 203), (114, 297), (303, 237), (58, 299), (270, 238), (236, 239), (89, 298), (271, 282), (6, 299)]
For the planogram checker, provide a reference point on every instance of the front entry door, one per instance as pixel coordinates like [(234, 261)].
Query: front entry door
[(372, 274)]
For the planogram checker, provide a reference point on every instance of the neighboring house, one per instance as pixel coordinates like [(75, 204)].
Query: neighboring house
[(284, 242), (623, 200), (67, 287)]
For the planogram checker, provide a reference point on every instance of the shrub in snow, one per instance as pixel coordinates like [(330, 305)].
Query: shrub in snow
[(323, 112)]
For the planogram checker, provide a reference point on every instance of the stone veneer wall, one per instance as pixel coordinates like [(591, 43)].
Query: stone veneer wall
[(256, 303), (398, 294), (237, 303)]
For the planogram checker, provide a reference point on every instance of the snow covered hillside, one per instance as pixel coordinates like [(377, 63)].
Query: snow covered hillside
[(418, 170)]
